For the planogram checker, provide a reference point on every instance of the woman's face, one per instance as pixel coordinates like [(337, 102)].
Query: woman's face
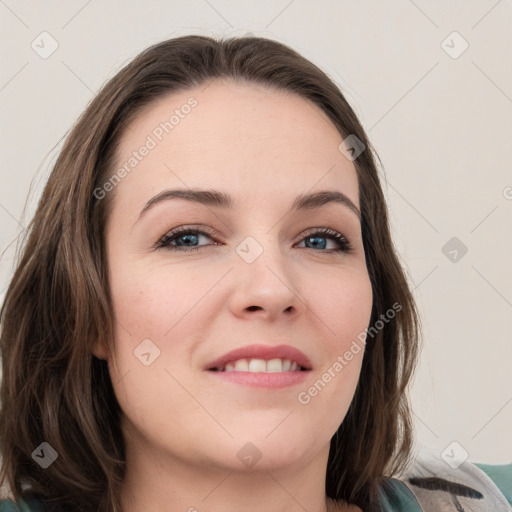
[(258, 273)]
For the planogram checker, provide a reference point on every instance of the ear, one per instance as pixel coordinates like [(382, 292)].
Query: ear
[(100, 350)]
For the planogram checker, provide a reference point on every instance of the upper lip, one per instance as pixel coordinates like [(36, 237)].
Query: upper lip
[(266, 352)]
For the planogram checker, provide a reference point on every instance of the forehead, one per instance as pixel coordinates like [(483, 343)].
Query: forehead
[(238, 137)]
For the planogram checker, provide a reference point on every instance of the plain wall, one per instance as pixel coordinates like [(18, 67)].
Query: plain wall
[(440, 122)]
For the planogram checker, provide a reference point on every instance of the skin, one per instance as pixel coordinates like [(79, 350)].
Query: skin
[(182, 425)]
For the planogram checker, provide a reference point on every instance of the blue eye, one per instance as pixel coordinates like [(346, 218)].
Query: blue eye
[(184, 239), (315, 239)]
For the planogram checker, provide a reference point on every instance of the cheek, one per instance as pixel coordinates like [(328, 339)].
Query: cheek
[(344, 311), (159, 315), (147, 307), (343, 304), (149, 300)]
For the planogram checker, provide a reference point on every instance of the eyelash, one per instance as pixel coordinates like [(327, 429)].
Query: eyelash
[(164, 243)]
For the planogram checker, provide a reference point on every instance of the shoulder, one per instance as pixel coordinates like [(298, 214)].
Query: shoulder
[(501, 476), (395, 496), (430, 484), (21, 505)]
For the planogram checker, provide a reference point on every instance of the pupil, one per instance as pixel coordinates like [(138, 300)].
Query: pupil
[(316, 243), (186, 238)]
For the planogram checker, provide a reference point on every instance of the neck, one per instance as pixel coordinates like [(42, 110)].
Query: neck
[(158, 482)]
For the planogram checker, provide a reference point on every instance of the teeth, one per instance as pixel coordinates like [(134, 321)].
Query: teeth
[(257, 365), (260, 366), (274, 365), (242, 365)]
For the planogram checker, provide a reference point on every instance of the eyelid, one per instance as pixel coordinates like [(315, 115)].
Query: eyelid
[(343, 243), (184, 229)]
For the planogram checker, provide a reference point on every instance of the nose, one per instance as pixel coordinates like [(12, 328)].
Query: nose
[(266, 287)]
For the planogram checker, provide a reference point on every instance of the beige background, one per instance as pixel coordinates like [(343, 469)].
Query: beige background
[(440, 121)]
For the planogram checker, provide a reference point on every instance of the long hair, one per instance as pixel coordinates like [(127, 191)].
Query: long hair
[(58, 302)]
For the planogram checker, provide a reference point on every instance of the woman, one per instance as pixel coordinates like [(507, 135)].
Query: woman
[(265, 368)]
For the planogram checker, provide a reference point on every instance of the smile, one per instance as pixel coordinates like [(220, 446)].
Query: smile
[(255, 365)]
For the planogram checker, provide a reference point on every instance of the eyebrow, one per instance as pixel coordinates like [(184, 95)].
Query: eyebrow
[(218, 199)]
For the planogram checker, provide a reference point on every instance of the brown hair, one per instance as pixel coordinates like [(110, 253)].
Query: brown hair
[(58, 304)]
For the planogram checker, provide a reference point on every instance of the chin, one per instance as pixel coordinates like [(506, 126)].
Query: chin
[(261, 452)]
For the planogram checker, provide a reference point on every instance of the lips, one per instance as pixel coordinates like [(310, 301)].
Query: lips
[(262, 352)]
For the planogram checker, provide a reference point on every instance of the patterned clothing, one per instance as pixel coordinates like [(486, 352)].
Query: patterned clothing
[(428, 486)]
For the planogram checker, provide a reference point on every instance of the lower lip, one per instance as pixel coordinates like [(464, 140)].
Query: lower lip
[(268, 380)]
